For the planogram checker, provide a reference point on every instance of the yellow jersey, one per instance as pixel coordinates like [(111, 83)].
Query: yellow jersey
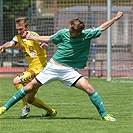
[(36, 57)]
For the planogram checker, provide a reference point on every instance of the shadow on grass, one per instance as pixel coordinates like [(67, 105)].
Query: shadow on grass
[(49, 118)]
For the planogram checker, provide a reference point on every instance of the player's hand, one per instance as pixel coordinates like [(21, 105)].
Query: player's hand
[(27, 34), (119, 15), (1, 49), (44, 46)]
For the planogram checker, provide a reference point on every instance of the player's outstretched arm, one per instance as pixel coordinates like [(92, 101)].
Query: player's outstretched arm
[(45, 39), (107, 24), (6, 45)]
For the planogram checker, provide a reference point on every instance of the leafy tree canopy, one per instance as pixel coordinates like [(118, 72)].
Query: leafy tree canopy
[(15, 5)]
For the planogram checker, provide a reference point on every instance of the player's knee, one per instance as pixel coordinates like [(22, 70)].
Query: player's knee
[(30, 100), (29, 87), (32, 86)]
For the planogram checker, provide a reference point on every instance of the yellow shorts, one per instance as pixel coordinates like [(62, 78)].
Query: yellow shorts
[(29, 75)]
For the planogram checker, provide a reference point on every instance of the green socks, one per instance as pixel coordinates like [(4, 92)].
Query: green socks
[(96, 100), (94, 97), (16, 97)]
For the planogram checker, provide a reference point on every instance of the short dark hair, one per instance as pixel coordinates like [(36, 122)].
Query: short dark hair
[(77, 24), (22, 20)]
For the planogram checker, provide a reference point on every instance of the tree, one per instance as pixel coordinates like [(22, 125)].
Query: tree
[(16, 5)]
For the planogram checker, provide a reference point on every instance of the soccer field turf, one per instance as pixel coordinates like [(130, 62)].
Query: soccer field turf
[(76, 114)]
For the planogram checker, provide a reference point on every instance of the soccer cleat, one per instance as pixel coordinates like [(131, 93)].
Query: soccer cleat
[(2, 110), (24, 112), (108, 118), (51, 113)]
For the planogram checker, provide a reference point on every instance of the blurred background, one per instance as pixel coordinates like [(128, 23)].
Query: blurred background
[(48, 16)]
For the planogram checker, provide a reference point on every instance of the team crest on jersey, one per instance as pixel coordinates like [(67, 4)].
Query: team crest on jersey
[(31, 48), (83, 39), (32, 53)]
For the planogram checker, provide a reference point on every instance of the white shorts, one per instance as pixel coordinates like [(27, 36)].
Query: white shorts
[(66, 75)]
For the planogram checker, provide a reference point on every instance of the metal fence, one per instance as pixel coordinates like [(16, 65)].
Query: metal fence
[(48, 16)]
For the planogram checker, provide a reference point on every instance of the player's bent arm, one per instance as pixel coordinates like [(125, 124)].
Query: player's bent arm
[(44, 46), (45, 39), (107, 24), (7, 45)]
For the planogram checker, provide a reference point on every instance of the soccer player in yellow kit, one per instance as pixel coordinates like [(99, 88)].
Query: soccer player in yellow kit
[(36, 57)]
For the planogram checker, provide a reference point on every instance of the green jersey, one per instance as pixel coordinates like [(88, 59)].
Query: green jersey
[(73, 51)]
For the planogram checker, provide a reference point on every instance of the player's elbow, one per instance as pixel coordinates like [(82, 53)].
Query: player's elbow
[(103, 28)]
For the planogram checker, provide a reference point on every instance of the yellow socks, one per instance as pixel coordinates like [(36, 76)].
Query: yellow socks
[(38, 103)]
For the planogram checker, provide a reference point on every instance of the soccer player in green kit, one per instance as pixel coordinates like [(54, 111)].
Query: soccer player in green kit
[(72, 52)]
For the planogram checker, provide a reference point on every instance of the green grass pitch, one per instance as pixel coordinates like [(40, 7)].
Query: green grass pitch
[(76, 114)]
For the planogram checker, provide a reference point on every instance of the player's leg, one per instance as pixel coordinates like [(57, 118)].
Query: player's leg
[(25, 108), (24, 102), (31, 99), (84, 85), (19, 82), (25, 78), (70, 77), (33, 85)]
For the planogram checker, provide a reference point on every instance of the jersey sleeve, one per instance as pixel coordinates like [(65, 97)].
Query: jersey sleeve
[(34, 33), (93, 33), (56, 38), (15, 40)]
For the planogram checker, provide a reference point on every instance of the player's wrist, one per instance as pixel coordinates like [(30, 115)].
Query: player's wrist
[(1, 50)]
